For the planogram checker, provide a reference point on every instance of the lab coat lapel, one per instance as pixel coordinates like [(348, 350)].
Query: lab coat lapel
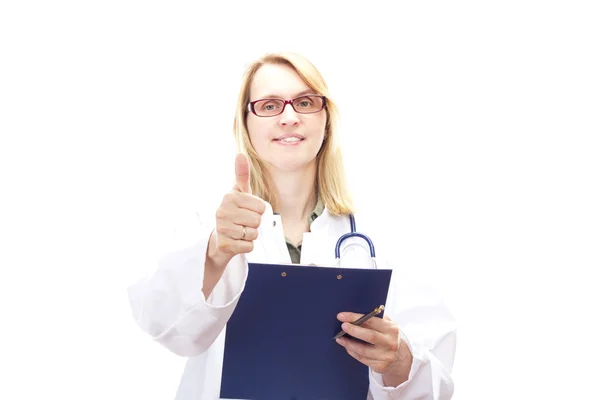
[(270, 246), (318, 245)]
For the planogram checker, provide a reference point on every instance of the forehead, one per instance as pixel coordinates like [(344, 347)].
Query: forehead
[(277, 81)]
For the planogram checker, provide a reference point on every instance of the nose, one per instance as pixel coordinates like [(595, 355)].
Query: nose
[(288, 116)]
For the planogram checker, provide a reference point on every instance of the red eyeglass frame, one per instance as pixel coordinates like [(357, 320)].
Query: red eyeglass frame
[(285, 103)]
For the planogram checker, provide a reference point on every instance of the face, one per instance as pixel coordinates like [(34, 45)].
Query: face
[(289, 141)]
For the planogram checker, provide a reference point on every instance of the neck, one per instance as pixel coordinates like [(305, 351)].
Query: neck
[(295, 193)]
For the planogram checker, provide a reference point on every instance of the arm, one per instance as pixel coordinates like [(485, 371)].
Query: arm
[(411, 350), (428, 332), (214, 266), (170, 304), (186, 302)]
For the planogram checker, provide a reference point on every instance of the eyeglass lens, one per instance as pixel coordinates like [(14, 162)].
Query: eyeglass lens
[(303, 105)]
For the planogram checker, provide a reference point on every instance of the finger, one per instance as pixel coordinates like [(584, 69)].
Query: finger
[(232, 246), (249, 202), (366, 351), (235, 231), (251, 233), (375, 365), (368, 335), (238, 216), (375, 323), (246, 218), (242, 173)]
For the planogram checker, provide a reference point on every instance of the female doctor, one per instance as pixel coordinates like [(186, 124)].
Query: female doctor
[(289, 204)]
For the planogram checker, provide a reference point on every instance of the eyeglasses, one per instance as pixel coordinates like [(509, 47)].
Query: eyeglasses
[(308, 104)]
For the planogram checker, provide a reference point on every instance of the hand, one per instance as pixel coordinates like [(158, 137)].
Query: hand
[(239, 215), (386, 351)]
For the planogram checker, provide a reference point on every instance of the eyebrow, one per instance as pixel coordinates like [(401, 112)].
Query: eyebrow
[(302, 93)]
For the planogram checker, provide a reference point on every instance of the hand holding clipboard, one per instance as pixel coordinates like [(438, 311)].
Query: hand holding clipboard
[(292, 344)]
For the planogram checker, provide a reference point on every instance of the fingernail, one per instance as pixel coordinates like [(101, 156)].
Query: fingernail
[(345, 326), (339, 340), (340, 316)]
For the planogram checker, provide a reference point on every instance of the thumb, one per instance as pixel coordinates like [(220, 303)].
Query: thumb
[(242, 173)]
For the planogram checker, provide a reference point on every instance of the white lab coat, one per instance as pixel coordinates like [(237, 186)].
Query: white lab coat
[(170, 306)]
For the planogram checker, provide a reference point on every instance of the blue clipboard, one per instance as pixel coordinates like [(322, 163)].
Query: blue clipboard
[(279, 340)]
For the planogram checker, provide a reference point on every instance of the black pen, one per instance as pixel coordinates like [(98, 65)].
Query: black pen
[(362, 319)]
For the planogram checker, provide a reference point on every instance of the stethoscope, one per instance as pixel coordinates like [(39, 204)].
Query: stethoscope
[(353, 233)]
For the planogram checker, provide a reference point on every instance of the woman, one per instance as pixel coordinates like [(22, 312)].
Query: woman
[(290, 203)]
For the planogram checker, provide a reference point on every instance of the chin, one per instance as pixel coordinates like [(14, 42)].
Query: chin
[(290, 165)]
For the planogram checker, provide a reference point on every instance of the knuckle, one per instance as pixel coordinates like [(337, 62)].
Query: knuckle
[(370, 337), (360, 351), (221, 213), (253, 234), (349, 346), (221, 229), (254, 221), (229, 197), (262, 207)]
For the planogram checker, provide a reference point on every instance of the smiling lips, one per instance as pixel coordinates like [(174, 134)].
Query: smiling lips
[(289, 139)]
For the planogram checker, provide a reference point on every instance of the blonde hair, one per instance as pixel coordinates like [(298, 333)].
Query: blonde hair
[(331, 178)]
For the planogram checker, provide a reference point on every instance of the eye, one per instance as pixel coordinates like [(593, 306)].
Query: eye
[(304, 102), (270, 105)]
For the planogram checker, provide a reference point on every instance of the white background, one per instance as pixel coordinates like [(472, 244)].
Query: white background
[(470, 127)]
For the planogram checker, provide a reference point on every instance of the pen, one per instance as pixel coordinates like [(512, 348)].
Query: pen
[(362, 319)]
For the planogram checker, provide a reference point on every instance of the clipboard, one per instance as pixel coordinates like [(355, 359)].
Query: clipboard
[(279, 340)]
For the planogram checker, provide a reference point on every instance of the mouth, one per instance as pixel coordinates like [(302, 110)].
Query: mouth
[(289, 139)]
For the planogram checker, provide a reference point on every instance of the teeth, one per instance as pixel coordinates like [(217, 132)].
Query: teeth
[(291, 139)]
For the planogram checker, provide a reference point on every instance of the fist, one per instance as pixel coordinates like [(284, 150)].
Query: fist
[(239, 215)]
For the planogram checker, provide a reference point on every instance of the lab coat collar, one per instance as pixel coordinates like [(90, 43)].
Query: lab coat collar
[(318, 245)]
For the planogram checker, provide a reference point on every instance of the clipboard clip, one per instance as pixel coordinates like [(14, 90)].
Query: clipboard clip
[(353, 233)]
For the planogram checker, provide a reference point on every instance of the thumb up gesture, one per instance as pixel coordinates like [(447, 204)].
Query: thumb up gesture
[(239, 215)]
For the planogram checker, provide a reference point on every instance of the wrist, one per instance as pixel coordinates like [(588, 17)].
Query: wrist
[(398, 372), (393, 379), (216, 258)]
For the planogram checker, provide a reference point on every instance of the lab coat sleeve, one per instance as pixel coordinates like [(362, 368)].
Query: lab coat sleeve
[(430, 331), (169, 304)]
